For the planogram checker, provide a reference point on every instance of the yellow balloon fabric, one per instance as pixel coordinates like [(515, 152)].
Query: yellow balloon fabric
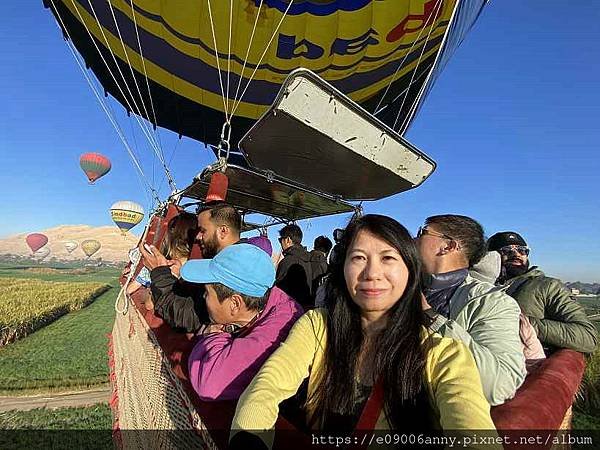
[(197, 57), (90, 246)]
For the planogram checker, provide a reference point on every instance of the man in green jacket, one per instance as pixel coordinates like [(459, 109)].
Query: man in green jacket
[(475, 312), (560, 322)]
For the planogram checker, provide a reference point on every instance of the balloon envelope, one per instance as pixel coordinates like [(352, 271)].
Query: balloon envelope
[(94, 165), (368, 49), (41, 253), (71, 246), (90, 246), (35, 241), (126, 215)]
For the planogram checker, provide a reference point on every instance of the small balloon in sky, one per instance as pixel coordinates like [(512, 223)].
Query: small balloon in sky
[(35, 241), (41, 253), (94, 165), (71, 246), (126, 215), (90, 246)]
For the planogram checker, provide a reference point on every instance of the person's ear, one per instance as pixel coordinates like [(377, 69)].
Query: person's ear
[(236, 302), (452, 245), (222, 231)]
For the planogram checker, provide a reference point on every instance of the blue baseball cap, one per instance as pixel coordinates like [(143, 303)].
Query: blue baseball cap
[(244, 268)]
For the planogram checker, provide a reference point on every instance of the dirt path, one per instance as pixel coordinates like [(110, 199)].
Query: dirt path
[(52, 401)]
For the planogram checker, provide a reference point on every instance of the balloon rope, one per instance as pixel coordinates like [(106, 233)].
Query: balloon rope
[(100, 100), (212, 27), (126, 303), (431, 27), (229, 50), (400, 65), (137, 111), (116, 126), (160, 154), (419, 96), (140, 123), (112, 11), (237, 90), (236, 105), (137, 34)]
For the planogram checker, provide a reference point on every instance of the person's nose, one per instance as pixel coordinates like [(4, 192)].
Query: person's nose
[(373, 270)]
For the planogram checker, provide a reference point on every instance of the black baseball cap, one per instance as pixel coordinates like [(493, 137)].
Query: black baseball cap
[(504, 238)]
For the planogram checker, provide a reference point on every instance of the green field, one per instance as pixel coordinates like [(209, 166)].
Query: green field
[(97, 417), (27, 304), (68, 354), (65, 428)]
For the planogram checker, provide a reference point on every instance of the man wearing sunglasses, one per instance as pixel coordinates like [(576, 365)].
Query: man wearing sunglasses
[(560, 322), (464, 308)]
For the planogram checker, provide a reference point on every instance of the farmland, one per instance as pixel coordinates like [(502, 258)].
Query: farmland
[(29, 304), (67, 354)]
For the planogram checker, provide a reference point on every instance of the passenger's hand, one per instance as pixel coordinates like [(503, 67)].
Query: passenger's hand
[(154, 259), (212, 328), (176, 268)]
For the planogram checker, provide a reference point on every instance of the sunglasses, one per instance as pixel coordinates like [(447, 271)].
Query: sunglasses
[(509, 249), (422, 231)]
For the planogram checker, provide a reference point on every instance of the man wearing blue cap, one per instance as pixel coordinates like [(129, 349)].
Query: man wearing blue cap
[(249, 319)]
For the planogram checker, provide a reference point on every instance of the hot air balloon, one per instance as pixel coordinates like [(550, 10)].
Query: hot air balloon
[(35, 241), (384, 54), (71, 246), (90, 246), (41, 254), (94, 165), (126, 215)]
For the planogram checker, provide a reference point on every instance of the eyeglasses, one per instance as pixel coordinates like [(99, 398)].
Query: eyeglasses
[(424, 230), (509, 249)]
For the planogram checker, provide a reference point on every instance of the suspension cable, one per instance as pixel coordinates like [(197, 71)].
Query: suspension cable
[(135, 110), (155, 143), (212, 27), (140, 122), (229, 49), (116, 126), (137, 34), (432, 16), (235, 106), (418, 97), (167, 174), (237, 90), (400, 65), (112, 11)]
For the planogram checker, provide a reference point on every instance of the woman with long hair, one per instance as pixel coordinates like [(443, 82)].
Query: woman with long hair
[(177, 246), (370, 337)]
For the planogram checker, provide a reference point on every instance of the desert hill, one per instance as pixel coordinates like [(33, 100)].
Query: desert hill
[(114, 245)]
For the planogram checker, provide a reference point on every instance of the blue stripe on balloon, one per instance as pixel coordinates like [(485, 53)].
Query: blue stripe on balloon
[(125, 225), (316, 9)]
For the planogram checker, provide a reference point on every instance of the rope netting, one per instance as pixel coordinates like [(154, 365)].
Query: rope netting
[(147, 395)]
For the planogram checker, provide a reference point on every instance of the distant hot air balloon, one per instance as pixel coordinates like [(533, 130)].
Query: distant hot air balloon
[(71, 246), (94, 165), (41, 253), (35, 241), (90, 246), (126, 215)]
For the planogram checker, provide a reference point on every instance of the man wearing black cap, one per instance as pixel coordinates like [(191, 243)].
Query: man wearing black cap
[(560, 322)]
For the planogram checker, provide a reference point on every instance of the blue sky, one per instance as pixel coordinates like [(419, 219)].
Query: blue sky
[(512, 123)]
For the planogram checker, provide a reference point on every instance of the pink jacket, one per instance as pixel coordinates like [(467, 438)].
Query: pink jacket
[(532, 347), (221, 366)]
